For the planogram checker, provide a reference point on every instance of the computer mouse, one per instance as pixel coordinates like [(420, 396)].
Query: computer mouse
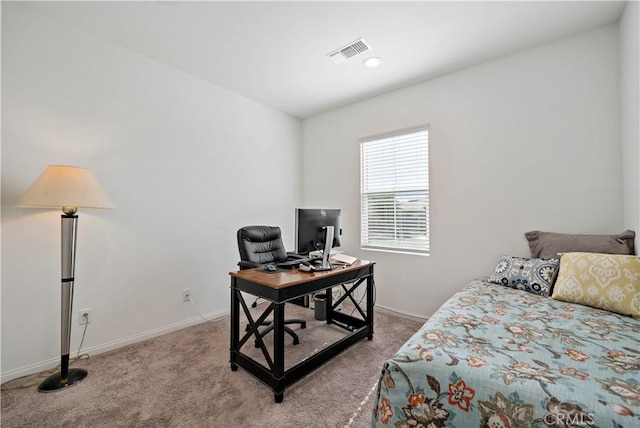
[(271, 267), (306, 268)]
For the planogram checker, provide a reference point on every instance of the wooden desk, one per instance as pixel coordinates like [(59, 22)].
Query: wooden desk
[(280, 287)]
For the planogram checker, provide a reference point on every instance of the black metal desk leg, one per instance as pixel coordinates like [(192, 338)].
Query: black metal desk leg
[(329, 304), (235, 324), (370, 285), (278, 350)]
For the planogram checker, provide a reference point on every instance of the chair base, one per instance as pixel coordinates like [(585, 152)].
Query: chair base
[(270, 325)]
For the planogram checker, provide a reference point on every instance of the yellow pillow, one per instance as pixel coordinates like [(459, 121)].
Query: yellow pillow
[(606, 281)]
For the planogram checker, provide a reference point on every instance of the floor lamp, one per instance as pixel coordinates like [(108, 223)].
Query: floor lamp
[(69, 188)]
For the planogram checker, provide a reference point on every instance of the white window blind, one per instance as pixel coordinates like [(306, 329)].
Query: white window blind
[(394, 185)]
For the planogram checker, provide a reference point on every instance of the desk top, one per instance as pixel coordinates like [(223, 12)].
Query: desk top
[(289, 277)]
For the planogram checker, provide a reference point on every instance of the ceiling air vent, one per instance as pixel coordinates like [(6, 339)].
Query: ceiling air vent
[(352, 49)]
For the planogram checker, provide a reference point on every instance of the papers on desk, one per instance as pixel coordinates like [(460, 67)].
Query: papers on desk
[(343, 258)]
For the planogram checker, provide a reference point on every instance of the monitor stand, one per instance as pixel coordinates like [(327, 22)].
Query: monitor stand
[(328, 243)]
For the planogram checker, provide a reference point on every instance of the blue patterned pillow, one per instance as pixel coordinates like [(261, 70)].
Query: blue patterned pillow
[(533, 275)]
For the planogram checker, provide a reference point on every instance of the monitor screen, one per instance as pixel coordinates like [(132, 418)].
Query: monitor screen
[(310, 235)]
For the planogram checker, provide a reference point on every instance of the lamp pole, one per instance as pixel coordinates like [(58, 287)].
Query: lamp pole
[(66, 377)]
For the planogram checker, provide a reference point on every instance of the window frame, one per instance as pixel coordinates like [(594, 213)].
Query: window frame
[(399, 245)]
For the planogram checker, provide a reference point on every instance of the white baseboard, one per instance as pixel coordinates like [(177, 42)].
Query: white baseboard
[(386, 310), (109, 346)]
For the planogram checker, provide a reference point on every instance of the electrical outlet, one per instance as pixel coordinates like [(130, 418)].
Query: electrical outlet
[(186, 294), (84, 316)]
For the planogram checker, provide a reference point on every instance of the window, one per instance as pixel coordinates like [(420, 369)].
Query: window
[(394, 187)]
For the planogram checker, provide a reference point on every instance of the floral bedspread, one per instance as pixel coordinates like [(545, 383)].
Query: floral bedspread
[(493, 356)]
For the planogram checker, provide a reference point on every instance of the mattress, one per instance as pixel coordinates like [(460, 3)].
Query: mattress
[(500, 357)]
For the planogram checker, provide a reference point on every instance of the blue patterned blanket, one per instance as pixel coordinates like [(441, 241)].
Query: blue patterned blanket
[(493, 356)]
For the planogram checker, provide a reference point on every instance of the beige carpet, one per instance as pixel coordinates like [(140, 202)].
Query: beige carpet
[(183, 379)]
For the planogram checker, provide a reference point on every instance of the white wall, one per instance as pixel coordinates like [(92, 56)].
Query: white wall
[(630, 96), (186, 163), (530, 141)]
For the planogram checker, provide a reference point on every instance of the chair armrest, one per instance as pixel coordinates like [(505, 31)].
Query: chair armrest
[(248, 265), (295, 256)]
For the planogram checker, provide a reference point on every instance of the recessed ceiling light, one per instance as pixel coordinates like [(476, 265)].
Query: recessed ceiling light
[(372, 62)]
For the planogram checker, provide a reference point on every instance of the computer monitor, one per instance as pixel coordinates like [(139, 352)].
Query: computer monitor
[(311, 229)]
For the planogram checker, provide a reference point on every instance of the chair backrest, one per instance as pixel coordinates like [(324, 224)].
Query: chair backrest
[(261, 245)]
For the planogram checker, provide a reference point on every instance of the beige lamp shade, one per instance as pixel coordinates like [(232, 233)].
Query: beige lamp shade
[(65, 186)]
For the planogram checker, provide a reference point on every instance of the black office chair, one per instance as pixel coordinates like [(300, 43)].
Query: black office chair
[(259, 246)]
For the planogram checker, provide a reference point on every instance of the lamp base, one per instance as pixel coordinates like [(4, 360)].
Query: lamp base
[(56, 383)]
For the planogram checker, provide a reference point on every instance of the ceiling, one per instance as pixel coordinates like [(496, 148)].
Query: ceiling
[(276, 52)]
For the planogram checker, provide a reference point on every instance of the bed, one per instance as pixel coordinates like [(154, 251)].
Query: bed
[(500, 354)]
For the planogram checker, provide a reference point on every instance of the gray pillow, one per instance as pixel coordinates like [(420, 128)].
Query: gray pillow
[(549, 244)]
